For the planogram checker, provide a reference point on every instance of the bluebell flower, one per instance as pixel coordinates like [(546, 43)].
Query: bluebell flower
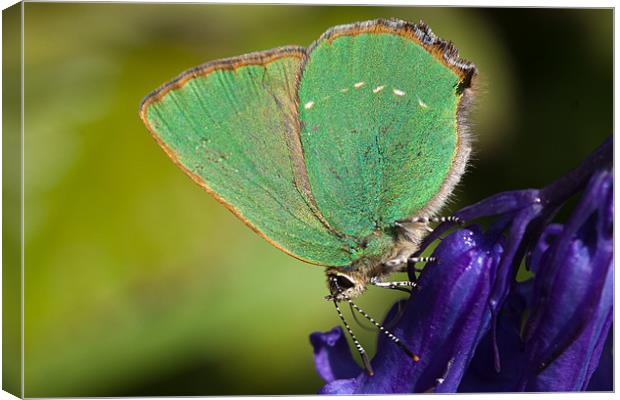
[(475, 328), (569, 305)]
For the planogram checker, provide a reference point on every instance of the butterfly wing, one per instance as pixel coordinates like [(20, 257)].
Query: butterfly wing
[(382, 106), (232, 126)]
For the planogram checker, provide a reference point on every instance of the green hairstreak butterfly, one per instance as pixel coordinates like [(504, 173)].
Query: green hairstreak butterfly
[(338, 153)]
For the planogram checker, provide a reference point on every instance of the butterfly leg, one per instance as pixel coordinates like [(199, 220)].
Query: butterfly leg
[(421, 259), (399, 264), (423, 222), (427, 220), (403, 286)]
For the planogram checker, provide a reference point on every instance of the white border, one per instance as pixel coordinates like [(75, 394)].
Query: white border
[(462, 3)]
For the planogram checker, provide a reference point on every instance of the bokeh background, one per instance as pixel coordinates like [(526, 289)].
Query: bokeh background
[(139, 283)]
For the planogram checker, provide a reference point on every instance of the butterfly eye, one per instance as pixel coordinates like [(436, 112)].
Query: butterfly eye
[(339, 283), (344, 283)]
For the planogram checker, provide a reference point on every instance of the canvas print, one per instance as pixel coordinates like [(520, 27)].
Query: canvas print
[(221, 199)]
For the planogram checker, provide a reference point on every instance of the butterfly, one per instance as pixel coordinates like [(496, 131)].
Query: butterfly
[(338, 154)]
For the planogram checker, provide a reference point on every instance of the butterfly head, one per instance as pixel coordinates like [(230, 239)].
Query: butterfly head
[(346, 284)]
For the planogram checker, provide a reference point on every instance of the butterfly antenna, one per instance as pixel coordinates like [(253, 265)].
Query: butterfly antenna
[(361, 325), (388, 325), (356, 342), (389, 334)]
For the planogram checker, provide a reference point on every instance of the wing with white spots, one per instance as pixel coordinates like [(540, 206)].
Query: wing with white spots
[(232, 126), (380, 108)]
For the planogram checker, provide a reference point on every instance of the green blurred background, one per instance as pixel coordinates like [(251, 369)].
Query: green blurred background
[(139, 283)]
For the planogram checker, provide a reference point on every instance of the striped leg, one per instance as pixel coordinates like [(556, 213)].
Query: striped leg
[(402, 262), (426, 220), (403, 286), (392, 285)]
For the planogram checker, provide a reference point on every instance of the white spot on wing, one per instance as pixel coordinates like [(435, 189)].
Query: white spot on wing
[(359, 84), (309, 105), (399, 92), (378, 89)]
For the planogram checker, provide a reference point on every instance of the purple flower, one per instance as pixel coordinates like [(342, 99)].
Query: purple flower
[(569, 305), (573, 298), (475, 328)]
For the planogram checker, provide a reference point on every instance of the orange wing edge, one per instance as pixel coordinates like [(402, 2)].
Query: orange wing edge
[(256, 58)]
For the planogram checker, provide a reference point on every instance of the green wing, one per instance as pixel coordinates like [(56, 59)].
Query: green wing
[(381, 123), (232, 125)]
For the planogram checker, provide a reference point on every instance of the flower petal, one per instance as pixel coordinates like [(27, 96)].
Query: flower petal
[(565, 333), (501, 203), (482, 376), (342, 386), (550, 234), (332, 356), (504, 203), (571, 369), (603, 377)]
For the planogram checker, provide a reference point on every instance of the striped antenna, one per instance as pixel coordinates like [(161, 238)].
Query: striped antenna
[(359, 323), (358, 346), (389, 334), (356, 342)]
